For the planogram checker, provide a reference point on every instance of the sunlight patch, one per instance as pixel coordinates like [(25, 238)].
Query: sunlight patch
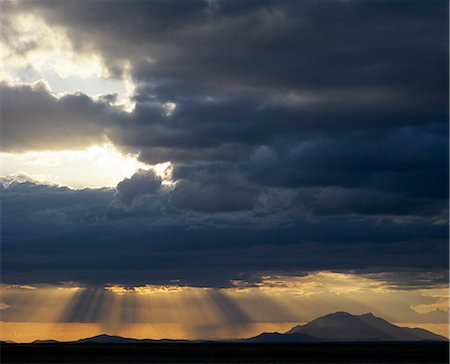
[(33, 51), (95, 167)]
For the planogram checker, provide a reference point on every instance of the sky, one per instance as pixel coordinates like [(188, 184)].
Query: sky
[(249, 164)]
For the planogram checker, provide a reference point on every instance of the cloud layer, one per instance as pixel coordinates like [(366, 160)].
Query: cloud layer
[(302, 136), (56, 234)]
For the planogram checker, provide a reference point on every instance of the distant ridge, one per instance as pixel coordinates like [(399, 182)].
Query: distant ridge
[(45, 342), (7, 342), (342, 326), (110, 339), (275, 337), (334, 327)]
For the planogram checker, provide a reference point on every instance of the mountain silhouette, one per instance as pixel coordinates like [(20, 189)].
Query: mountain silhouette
[(276, 337), (334, 327), (342, 326), (110, 339)]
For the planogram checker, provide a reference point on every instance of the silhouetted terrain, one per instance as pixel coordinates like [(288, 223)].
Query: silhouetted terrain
[(338, 326), (109, 339), (342, 326), (275, 337), (227, 353), (336, 338)]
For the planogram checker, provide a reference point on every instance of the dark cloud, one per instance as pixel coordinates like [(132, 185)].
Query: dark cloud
[(34, 119), (212, 190), (297, 43), (96, 243), (411, 161), (338, 201), (306, 135), (143, 182), (338, 66)]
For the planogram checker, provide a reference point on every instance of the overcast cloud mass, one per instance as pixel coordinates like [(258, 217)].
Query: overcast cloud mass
[(302, 136)]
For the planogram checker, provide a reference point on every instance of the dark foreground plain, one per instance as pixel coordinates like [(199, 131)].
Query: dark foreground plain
[(227, 353)]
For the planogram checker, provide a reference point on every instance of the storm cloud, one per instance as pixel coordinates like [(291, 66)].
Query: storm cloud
[(141, 183), (34, 119), (303, 136), (50, 231)]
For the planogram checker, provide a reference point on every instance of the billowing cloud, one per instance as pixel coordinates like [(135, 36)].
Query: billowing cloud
[(302, 137), (318, 69), (143, 182), (94, 242), (212, 190), (35, 119)]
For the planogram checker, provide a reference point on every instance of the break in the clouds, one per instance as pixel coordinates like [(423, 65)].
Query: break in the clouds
[(302, 136)]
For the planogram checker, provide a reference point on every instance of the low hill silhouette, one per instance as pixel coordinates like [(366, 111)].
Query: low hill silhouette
[(334, 327)]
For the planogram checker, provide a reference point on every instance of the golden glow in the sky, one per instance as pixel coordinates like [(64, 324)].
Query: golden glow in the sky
[(157, 311), (97, 166)]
